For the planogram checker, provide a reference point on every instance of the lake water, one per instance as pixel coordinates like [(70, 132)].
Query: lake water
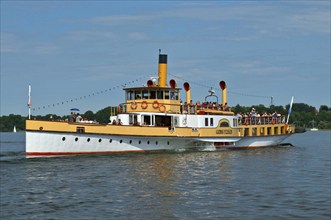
[(270, 183)]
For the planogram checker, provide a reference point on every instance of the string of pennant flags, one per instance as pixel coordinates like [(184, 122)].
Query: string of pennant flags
[(125, 85), (71, 100)]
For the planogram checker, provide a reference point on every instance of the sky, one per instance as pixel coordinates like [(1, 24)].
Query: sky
[(81, 54)]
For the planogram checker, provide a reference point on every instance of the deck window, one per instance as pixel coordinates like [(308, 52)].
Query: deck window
[(160, 94), (130, 95), (166, 94), (206, 122), (172, 95), (152, 94), (224, 124), (235, 122), (138, 94), (80, 130), (130, 119), (211, 122), (162, 120), (145, 94), (146, 119)]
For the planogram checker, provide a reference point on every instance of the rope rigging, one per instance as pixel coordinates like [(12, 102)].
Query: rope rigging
[(136, 81), (206, 86), (123, 85)]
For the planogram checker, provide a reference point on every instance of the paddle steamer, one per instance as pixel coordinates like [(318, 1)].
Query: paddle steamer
[(153, 118)]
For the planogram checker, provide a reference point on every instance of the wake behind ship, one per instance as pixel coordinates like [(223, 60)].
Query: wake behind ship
[(153, 118)]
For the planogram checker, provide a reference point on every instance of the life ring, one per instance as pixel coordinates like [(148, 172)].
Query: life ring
[(156, 104), (144, 105), (134, 105), (162, 108)]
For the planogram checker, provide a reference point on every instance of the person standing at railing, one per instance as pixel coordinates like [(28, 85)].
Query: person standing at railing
[(72, 117), (197, 105), (258, 117), (239, 115), (79, 117), (226, 107), (279, 118), (274, 117), (185, 108), (192, 107), (252, 114), (220, 107)]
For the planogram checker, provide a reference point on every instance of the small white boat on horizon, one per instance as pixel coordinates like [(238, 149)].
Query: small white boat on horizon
[(314, 129), (14, 130)]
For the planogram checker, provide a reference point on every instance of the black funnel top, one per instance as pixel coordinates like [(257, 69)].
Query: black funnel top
[(163, 58)]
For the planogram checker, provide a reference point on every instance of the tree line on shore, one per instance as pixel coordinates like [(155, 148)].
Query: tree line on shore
[(302, 116)]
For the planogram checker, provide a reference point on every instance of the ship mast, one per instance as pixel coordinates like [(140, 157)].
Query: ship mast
[(29, 102)]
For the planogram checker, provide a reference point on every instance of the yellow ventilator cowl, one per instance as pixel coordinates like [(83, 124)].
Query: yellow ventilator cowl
[(173, 84), (188, 92), (223, 87)]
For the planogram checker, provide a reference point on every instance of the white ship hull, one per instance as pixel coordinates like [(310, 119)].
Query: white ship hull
[(50, 143)]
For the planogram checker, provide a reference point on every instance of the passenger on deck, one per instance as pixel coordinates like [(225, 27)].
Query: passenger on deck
[(203, 105), (78, 118), (239, 115), (226, 107), (258, 118), (71, 117), (192, 107), (185, 109), (214, 107), (198, 105)]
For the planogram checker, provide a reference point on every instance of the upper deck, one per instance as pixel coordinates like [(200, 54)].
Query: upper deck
[(157, 97)]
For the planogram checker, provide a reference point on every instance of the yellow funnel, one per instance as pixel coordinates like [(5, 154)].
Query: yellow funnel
[(162, 70)]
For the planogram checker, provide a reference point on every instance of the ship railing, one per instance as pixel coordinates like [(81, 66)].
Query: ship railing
[(180, 109), (262, 120)]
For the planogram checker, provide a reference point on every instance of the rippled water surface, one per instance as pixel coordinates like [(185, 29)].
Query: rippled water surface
[(271, 183)]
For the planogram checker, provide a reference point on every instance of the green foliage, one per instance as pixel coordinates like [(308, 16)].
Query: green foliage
[(7, 123), (302, 115), (89, 115), (324, 108), (102, 116)]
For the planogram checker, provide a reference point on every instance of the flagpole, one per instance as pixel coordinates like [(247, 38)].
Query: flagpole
[(29, 102), (289, 110)]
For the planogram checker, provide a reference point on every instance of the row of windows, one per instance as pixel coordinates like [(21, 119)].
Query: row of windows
[(152, 94), (210, 122), (111, 140)]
